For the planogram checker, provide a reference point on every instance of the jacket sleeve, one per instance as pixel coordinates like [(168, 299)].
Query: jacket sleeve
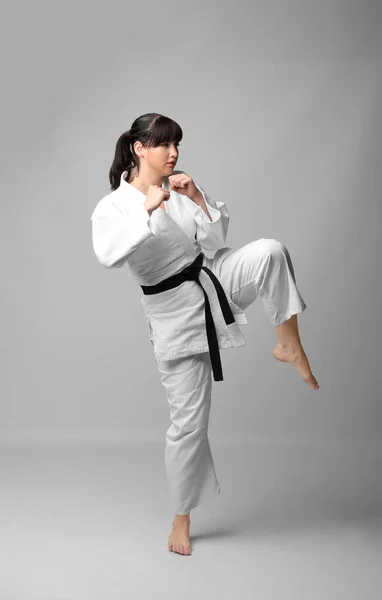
[(211, 235), (119, 230)]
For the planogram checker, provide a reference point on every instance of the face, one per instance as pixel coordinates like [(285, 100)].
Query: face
[(157, 158)]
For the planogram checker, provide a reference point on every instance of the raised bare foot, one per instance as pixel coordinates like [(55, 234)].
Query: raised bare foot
[(179, 538), (295, 355)]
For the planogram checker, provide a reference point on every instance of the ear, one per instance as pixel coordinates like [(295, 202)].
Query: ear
[(138, 147)]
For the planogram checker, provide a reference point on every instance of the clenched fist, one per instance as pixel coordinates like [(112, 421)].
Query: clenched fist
[(183, 184)]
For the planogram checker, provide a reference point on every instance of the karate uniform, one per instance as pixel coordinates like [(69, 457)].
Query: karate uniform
[(159, 246)]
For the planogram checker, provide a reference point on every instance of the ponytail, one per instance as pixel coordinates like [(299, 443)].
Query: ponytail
[(123, 160)]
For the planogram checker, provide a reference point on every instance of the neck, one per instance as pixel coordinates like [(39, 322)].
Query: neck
[(142, 181)]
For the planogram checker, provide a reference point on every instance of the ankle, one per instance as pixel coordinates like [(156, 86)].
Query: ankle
[(293, 345), (181, 518), (290, 343)]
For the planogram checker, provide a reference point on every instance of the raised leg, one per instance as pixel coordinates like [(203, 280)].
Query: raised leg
[(264, 267)]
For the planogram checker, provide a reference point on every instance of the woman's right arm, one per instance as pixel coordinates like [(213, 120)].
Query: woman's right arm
[(118, 231)]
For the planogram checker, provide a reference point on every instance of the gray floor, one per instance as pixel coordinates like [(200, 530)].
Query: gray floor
[(91, 523)]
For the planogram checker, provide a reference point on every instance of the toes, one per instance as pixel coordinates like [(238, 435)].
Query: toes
[(314, 383), (179, 548), (310, 380)]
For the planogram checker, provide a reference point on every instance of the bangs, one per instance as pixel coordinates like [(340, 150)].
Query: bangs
[(163, 130)]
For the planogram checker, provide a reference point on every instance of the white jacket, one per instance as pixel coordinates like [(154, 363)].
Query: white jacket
[(158, 246)]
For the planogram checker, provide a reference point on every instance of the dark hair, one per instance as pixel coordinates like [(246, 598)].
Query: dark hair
[(151, 129)]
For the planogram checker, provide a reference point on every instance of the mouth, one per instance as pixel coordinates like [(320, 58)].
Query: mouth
[(171, 164)]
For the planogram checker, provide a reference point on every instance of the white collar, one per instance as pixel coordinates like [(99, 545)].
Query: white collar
[(123, 181)]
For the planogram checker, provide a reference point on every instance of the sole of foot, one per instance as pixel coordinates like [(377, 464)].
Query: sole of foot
[(298, 359)]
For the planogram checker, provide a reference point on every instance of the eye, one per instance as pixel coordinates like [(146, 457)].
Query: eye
[(167, 143)]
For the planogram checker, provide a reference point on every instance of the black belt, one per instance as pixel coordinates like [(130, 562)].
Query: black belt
[(191, 273)]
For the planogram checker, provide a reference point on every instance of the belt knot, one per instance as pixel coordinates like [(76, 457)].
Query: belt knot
[(192, 271)]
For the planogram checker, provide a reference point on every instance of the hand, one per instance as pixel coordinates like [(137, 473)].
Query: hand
[(183, 184), (155, 196)]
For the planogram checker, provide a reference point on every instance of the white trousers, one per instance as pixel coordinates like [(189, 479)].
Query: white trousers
[(262, 267)]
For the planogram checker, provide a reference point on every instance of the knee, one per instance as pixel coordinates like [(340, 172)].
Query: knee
[(188, 421), (272, 247), (184, 432)]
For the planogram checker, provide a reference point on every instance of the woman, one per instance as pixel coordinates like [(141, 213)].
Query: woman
[(157, 221)]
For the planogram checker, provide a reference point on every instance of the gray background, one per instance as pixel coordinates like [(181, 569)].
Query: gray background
[(280, 105)]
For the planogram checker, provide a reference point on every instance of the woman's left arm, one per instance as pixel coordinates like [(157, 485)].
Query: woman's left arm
[(211, 217), (199, 200), (212, 220)]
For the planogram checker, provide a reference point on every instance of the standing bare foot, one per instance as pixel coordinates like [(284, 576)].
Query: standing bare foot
[(295, 355), (179, 538)]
